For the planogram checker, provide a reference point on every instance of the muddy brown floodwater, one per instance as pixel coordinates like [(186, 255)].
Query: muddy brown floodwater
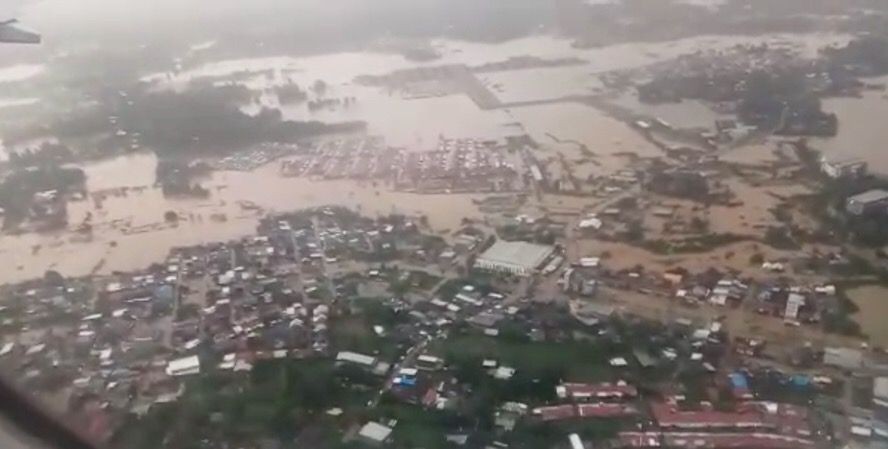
[(129, 231), (128, 228), (873, 304), (862, 131)]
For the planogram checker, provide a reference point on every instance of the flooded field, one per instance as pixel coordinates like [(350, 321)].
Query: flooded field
[(685, 114), (873, 304), (418, 122), (540, 84), (566, 128), (340, 68), (414, 124)]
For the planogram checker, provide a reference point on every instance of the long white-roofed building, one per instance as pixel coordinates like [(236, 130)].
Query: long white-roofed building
[(520, 258)]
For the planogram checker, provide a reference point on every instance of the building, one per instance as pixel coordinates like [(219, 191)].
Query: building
[(555, 412), (793, 304), (843, 168), (721, 440), (844, 358), (354, 357), (374, 365), (375, 433), (644, 358), (590, 410), (585, 392), (429, 362), (590, 224), (575, 441), (750, 416), (508, 415), (869, 201), (184, 366), (519, 258)]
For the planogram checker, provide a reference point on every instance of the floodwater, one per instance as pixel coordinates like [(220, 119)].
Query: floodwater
[(417, 123), (862, 132), (873, 304), (564, 127), (149, 239), (683, 114), (540, 84), (128, 229), (413, 124), (343, 67)]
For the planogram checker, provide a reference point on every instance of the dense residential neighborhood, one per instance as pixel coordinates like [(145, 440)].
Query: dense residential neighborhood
[(363, 331)]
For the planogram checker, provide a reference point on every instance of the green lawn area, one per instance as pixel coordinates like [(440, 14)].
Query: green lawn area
[(417, 427), (355, 333), (576, 360), (278, 399)]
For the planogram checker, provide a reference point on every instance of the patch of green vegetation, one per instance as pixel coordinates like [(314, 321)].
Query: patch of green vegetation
[(279, 400), (355, 332), (828, 207), (417, 427), (576, 360), (17, 189)]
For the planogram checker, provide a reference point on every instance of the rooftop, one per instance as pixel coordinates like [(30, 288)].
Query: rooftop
[(712, 440), (184, 366), (526, 255), (602, 390), (880, 388), (375, 431), (870, 196)]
